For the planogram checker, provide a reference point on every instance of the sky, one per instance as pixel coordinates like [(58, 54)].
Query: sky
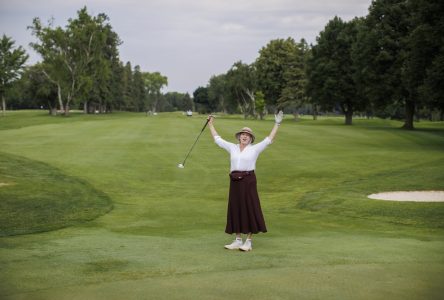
[(186, 40)]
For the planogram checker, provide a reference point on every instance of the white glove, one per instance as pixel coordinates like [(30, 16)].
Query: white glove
[(278, 118)]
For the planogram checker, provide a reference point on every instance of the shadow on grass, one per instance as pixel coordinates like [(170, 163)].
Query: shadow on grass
[(39, 198)]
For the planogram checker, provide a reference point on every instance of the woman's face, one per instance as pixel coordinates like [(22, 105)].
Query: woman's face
[(245, 138)]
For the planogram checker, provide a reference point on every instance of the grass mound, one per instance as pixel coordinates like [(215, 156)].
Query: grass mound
[(36, 197)]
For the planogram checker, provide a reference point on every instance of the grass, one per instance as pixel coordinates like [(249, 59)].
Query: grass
[(37, 198), (163, 239)]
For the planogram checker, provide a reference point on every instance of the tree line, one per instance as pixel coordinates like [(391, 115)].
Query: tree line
[(81, 68), (389, 63)]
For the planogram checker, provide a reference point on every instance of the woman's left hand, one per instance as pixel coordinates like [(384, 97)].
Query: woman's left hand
[(278, 118)]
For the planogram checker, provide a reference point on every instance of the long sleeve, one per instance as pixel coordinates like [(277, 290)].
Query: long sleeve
[(259, 147), (223, 143)]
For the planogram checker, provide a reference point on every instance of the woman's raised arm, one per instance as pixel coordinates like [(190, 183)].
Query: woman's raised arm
[(277, 122), (210, 123)]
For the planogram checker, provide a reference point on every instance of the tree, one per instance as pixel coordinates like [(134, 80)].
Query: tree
[(200, 96), (177, 101), (116, 85), (74, 58), (331, 69), (312, 105), (218, 94), (127, 87), (139, 92), (241, 84), (174, 101), (11, 65), (260, 104), (293, 95), (154, 82), (380, 54), (37, 90), (103, 70), (426, 55), (188, 103), (280, 72)]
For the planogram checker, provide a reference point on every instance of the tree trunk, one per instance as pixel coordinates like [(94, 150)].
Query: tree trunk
[(348, 117), (251, 103), (85, 107), (66, 109), (154, 105), (3, 105), (68, 102), (296, 115), (315, 112), (409, 115), (59, 96), (52, 110)]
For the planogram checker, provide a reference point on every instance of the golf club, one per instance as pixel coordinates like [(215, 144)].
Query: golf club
[(182, 165)]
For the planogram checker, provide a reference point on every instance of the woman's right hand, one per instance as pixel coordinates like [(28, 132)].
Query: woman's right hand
[(210, 119)]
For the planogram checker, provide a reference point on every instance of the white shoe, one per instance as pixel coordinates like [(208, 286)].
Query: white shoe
[(236, 244), (247, 246)]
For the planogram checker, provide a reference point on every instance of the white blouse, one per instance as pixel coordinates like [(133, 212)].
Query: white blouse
[(243, 160)]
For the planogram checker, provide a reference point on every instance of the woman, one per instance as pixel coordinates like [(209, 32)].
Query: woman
[(244, 210)]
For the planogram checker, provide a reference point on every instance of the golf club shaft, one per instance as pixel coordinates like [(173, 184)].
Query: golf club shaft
[(206, 123)]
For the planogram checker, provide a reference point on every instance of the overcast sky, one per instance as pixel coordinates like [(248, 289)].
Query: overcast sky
[(187, 40)]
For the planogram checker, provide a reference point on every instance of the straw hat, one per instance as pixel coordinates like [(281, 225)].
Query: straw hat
[(246, 130)]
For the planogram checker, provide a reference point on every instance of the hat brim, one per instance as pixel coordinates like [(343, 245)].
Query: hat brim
[(252, 135)]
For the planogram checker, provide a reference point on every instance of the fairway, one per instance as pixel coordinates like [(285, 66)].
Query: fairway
[(94, 207)]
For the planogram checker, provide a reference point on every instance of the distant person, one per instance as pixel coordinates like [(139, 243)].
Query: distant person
[(244, 214)]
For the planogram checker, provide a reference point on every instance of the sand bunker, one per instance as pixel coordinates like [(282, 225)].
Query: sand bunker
[(416, 196)]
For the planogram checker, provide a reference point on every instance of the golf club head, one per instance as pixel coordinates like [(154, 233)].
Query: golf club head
[(181, 166)]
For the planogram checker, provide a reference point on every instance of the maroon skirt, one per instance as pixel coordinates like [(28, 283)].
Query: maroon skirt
[(244, 208)]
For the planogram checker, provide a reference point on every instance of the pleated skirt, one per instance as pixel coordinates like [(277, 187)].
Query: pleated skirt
[(244, 213)]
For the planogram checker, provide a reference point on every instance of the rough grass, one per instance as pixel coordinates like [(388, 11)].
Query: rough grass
[(164, 237)]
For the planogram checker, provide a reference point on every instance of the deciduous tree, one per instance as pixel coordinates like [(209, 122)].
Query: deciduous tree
[(331, 69), (380, 55), (280, 72), (12, 61), (154, 83), (241, 83), (74, 57)]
